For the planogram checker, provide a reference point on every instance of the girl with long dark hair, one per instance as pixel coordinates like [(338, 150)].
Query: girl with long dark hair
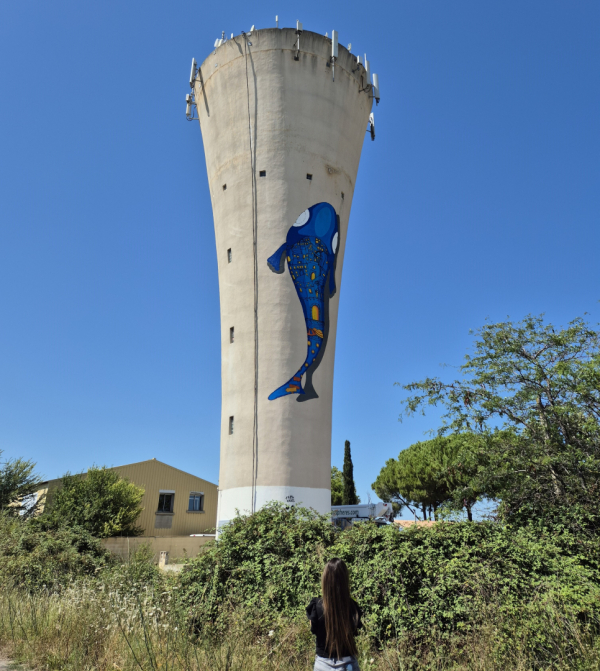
[(334, 620)]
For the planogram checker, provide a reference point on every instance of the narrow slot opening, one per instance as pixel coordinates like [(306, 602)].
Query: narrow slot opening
[(263, 173), (229, 255), (342, 195), (231, 425), (308, 176), (224, 187), (231, 334)]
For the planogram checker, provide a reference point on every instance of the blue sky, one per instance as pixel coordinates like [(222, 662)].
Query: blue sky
[(479, 199)]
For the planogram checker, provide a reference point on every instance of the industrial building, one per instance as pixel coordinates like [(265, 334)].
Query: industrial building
[(283, 114)]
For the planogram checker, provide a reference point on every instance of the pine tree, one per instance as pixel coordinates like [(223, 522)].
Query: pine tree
[(350, 498)]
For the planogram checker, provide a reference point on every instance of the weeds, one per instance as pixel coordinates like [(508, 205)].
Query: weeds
[(99, 626)]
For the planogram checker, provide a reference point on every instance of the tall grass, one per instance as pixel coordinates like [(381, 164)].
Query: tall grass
[(103, 624)]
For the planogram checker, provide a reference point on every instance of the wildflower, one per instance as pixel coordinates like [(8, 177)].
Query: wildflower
[(271, 632)]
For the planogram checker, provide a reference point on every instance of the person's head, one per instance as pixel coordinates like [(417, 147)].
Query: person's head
[(340, 614)]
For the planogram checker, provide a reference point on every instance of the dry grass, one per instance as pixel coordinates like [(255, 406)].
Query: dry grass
[(95, 626)]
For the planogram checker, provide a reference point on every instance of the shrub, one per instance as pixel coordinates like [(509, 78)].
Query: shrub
[(33, 555), (446, 579), (100, 501), (269, 562)]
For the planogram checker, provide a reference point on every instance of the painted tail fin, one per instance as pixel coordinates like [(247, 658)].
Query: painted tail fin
[(293, 386)]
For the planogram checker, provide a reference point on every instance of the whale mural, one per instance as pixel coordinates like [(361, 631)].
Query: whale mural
[(310, 249)]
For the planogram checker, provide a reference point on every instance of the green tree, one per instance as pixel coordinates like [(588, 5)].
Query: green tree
[(532, 392), (337, 487), (101, 502), (349, 497), (428, 474), (459, 472), (18, 486)]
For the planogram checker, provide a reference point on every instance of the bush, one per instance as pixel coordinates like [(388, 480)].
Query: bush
[(451, 577), (100, 501), (268, 562), (33, 555), (446, 579)]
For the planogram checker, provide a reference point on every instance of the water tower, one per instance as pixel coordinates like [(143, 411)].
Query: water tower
[(283, 114)]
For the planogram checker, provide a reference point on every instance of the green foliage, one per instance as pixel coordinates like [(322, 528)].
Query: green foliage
[(431, 473), (443, 579), (349, 497), (454, 596), (101, 501), (533, 392), (337, 486), (34, 555), (269, 562), (18, 485)]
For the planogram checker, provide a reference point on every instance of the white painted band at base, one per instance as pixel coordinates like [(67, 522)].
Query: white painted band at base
[(240, 499)]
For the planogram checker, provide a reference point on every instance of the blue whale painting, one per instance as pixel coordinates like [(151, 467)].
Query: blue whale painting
[(310, 248)]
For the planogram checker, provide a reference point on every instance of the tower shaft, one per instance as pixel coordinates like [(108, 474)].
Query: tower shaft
[(282, 143)]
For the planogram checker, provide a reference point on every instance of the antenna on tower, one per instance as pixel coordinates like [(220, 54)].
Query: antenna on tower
[(190, 104), (349, 46), (376, 88), (334, 51), (297, 43), (193, 73), (367, 85), (276, 21), (371, 127)]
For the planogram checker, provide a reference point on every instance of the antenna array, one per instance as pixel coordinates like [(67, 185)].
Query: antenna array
[(369, 86)]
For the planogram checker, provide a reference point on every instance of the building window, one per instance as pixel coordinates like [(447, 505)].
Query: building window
[(230, 426), (196, 502), (231, 334), (165, 502), (224, 187), (308, 176), (229, 255), (263, 173)]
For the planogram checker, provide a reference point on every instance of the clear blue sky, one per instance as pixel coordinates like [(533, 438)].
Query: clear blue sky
[(479, 198)]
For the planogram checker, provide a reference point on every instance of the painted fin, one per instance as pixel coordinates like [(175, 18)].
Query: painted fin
[(276, 262), (293, 386)]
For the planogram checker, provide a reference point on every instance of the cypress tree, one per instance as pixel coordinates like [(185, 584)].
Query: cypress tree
[(349, 498)]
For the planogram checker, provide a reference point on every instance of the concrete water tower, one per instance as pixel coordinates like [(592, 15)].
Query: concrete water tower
[(283, 114)]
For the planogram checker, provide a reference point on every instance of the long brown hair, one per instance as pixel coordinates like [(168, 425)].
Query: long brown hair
[(340, 614)]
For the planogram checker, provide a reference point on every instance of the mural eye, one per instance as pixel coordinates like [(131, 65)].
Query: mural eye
[(303, 218), (334, 243)]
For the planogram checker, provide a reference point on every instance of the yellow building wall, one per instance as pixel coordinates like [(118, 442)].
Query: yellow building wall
[(178, 547), (154, 476)]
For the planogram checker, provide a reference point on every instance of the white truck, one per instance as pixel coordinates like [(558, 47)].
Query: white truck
[(345, 516)]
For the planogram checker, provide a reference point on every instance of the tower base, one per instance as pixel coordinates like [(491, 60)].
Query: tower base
[(238, 500)]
